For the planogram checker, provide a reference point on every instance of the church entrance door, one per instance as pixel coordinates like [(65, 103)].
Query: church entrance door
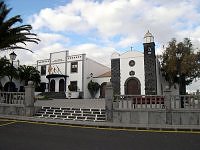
[(132, 86), (61, 85), (52, 86)]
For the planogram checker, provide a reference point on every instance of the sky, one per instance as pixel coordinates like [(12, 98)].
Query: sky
[(101, 27)]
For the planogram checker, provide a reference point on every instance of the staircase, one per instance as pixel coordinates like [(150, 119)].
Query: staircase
[(80, 114)]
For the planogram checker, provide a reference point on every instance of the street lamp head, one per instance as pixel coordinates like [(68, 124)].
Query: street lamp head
[(13, 56)]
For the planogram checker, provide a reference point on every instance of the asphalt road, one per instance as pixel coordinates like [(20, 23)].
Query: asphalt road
[(16, 135)]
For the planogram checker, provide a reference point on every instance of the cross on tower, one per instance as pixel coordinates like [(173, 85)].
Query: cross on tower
[(131, 48)]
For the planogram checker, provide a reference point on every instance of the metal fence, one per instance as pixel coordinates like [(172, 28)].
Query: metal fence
[(156, 102), (12, 97)]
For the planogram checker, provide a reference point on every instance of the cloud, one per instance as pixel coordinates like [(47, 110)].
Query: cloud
[(50, 42), (129, 19), (98, 53)]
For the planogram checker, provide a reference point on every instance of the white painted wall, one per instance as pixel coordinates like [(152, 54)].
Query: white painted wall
[(138, 57), (78, 75), (57, 62), (91, 66), (85, 67), (101, 80)]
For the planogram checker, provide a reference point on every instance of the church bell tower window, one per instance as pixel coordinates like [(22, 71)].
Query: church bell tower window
[(149, 50), (131, 63)]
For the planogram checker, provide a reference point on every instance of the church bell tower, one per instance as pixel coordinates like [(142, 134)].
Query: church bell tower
[(150, 65)]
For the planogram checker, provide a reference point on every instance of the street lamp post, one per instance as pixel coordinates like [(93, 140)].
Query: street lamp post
[(12, 58)]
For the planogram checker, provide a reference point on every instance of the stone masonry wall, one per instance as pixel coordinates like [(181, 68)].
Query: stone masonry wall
[(115, 75)]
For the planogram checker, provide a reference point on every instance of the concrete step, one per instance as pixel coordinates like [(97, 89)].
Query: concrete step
[(79, 114), (54, 95)]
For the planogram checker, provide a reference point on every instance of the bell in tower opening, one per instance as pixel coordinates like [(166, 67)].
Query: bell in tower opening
[(150, 65)]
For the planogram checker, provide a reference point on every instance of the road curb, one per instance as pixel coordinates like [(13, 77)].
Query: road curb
[(107, 125)]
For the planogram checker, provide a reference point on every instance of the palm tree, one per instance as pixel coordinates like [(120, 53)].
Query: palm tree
[(11, 36), (29, 73)]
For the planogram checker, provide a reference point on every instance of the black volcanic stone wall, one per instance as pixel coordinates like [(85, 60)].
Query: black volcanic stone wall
[(150, 70), (115, 75)]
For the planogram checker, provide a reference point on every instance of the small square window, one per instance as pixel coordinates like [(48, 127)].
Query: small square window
[(43, 70), (74, 67)]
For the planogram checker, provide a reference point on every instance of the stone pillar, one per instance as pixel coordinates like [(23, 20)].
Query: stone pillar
[(109, 101), (29, 99), (167, 94)]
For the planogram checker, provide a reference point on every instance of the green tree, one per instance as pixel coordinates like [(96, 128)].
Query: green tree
[(9, 70), (29, 73), (11, 35), (3, 63), (93, 88), (180, 63)]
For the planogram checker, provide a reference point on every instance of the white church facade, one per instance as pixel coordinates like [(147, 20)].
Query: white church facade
[(138, 73)]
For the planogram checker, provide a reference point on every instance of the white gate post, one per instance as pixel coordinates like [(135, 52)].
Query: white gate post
[(29, 99), (109, 101)]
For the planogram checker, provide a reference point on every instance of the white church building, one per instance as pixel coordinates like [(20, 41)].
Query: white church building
[(131, 73), (138, 73)]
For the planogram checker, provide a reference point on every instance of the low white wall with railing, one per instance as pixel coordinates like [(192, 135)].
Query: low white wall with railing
[(18, 103), (162, 110), (156, 102), (152, 109), (12, 98), (138, 102)]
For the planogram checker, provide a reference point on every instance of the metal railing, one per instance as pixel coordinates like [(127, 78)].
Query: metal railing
[(156, 102), (139, 101), (12, 97)]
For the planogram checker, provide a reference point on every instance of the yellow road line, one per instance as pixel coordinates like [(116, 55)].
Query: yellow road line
[(1, 119), (5, 124), (106, 128)]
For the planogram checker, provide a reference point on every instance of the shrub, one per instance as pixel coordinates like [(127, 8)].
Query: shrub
[(93, 88)]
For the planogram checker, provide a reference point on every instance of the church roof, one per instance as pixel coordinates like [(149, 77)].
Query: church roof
[(133, 53), (115, 55), (107, 74)]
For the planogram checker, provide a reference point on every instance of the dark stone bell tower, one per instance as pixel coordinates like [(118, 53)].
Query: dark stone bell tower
[(115, 75), (150, 65)]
